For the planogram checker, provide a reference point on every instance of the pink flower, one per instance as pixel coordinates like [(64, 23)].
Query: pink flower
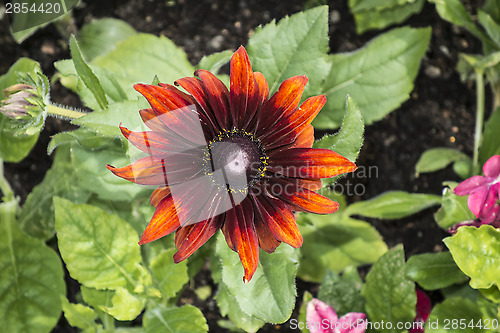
[(424, 308), (484, 192), (321, 318)]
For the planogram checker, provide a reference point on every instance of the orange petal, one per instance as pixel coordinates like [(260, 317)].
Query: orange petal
[(164, 99), (163, 222), (309, 163), (218, 97), (150, 120), (152, 142), (158, 195), (305, 139)]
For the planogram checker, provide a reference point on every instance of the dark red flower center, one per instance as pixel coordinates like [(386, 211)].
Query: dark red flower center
[(235, 160)]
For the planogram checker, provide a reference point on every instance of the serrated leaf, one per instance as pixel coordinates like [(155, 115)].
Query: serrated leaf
[(375, 15), (454, 208), (379, 77), (101, 36), (169, 277), (458, 313), (434, 270), (491, 140), (126, 306), (390, 295), (186, 319), (87, 76), (100, 250), (297, 45), (477, 253), (393, 205), (349, 139), (31, 279), (215, 61), (438, 158), (334, 243), (343, 292), (270, 294), (79, 315)]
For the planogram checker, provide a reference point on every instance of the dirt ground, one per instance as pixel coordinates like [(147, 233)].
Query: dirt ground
[(440, 111)]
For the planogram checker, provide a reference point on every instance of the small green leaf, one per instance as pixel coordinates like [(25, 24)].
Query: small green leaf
[(100, 250), (379, 77), (270, 294), (390, 295), (349, 139), (438, 158), (454, 315), (86, 75), (491, 27), (82, 136), (334, 242), (186, 319), (434, 270), (492, 7), (126, 306), (31, 279), (101, 36), (215, 61), (303, 310), (491, 140), (477, 253), (492, 294), (375, 15), (454, 208), (393, 205), (343, 292), (98, 299), (297, 45), (79, 315), (170, 277)]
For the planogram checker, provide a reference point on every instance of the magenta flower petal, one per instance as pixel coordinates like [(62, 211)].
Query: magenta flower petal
[(423, 308), (352, 322), (471, 185), (490, 209), (476, 201), (492, 167), (316, 312)]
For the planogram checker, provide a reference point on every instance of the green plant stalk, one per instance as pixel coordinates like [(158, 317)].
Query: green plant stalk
[(61, 111), (479, 120), (8, 194)]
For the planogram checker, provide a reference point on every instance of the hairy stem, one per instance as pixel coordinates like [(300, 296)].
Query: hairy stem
[(61, 111)]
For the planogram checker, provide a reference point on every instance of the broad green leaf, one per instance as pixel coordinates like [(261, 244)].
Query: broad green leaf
[(477, 253), (215, 61), (492, 7), (140, 57), (334, 243), (379, 77), (82, 136), (390, 295), (375, 15), (13, 148), (454, 315), (393, 205), (101, 36), (100, 250), (491, 27), (491, 140), (434, 270), (438, 158), (98, 299), (297, 45), (343, 292), (454, 208), (302, 318), (87, 76), (349, 139), (186, 319), (31, 279), (270, 294), (107, 122), (169, 277), (79, 315), (126, 306)]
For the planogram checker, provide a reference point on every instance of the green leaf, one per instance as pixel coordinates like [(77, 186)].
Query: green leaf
[(379, 77), (149, 55), (79, 315), (31, 279), (390, 295), (492, 294), (334, 242), (491, 140), (98, 299), (491, 27), (13, 148), (393, 205), (82, 136), (343, 292), (100, 250), (126, 306), (349, 139), (492, 7), (434, 270), (101, 36), (438, 158), (270, 294), (302, 318), (170, 277), (457, 313), (297, 45), (86, 75), (477, 253), (454, 208), (186, 319), (375, 15), (215, 61)]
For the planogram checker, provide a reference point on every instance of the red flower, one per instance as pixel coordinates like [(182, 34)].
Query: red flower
[(233, 159)]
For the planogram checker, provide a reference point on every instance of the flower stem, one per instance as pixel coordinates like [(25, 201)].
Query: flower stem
[(479, 120), (8, 194), (61, 111)]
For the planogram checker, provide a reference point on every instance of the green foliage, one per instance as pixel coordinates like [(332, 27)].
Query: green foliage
[(343, 292), (376, 14), (438, 158), (459, 313), (79, 315), (186, 319), (215, 61), (169, 277), (477, 253), (491, 139), (453, 208), (390, 295), (303, 310)]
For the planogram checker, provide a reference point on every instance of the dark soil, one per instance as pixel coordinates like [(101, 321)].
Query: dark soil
[(440, 111)]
